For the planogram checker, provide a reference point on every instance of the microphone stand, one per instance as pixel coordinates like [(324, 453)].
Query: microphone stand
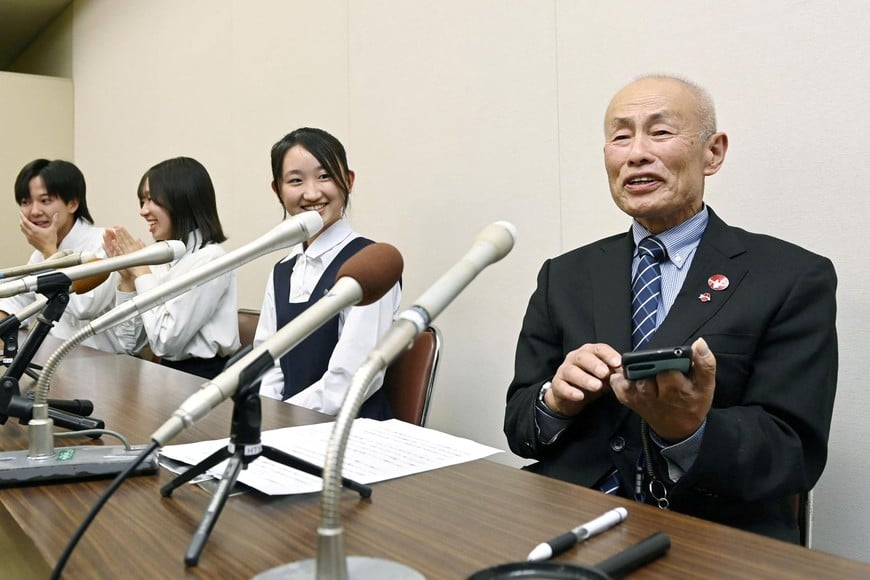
[(41, 463), (244, 447), (12, 404), (491, 245), (331, 562), (9, 328)]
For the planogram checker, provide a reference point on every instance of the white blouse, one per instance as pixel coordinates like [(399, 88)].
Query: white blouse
[(203, 322), (359, 327)]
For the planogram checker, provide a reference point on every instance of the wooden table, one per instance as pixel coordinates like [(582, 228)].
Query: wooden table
[(446, 523)]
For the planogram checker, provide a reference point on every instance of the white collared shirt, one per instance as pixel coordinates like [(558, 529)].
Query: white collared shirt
[(359, 327), (203, 322)]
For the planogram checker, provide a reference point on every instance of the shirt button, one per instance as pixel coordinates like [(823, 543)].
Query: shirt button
[(617, 444)]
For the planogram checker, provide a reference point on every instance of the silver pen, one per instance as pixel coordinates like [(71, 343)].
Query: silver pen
[(568, 540)]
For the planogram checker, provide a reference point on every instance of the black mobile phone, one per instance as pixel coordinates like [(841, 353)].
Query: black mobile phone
[(646, 363)]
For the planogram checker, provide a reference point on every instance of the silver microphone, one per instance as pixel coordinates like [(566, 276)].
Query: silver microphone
[(61, 259), (363, 279), (158, 253), (491, 245), (291, 231)]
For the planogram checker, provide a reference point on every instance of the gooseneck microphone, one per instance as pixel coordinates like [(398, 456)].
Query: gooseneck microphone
[(291, 231), (492, 244), (295, 230), (62, 259), (363, 279), (158, 253)]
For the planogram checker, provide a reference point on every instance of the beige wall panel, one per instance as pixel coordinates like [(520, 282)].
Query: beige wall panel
[(217, 81), (289, 70), (453, 117), (150, 84), (37, 121)]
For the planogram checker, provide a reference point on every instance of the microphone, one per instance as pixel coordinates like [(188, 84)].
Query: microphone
[(85, 285), (12, 322), (291, 231), (492, 244), (363, 279), (62, 259), (158, 253), (41, 462)]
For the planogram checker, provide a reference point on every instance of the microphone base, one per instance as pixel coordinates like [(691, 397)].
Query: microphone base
[(358, 567), (72, 463)]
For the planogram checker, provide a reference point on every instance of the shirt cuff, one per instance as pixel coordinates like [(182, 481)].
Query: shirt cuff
[(548, 424), (680, 456)]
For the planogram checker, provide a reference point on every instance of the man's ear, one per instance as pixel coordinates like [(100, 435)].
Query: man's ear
[(717, 146)]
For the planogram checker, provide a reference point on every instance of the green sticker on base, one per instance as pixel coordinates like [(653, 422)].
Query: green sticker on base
[(65, 454)]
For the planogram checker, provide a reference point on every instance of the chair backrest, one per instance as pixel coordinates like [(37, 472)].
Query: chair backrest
[(248, 320), (410, 380)]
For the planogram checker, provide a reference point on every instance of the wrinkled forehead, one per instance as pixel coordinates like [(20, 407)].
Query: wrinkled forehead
[(650, 100)]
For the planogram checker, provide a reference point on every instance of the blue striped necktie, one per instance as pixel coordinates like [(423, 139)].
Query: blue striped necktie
[(646, 290)]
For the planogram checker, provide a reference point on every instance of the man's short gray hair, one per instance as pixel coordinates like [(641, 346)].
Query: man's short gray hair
[(706, 109)]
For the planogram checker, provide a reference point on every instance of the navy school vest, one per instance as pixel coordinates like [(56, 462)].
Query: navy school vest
[(308, 361)]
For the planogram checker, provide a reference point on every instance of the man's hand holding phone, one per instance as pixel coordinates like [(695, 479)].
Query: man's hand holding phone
[(674, 404)]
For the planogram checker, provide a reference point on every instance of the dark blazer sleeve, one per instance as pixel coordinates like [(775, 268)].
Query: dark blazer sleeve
[(539, 353), (581, 297)]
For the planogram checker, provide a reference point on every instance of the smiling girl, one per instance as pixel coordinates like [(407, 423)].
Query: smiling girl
[(197, 331), (310, 173)]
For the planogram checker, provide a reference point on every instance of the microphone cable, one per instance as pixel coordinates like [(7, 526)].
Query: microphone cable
[(95, 509)]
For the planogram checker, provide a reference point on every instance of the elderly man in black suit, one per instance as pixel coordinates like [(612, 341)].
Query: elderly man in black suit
[(735, 437)]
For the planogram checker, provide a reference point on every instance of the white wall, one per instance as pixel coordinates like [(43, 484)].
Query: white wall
[(461, 112), (36, 117)]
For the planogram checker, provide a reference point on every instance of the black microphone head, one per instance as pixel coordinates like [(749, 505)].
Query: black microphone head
[(377, 268)]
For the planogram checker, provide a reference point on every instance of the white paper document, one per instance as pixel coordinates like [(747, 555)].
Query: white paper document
[(376, 451)]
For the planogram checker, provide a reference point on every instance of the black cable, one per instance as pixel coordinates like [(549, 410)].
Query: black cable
[(80, 531)]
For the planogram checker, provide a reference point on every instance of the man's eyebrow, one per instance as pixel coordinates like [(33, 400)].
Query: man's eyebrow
[(662, 116), (656, 117)]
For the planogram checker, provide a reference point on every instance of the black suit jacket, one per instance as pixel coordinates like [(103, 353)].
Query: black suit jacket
[(774, 337)]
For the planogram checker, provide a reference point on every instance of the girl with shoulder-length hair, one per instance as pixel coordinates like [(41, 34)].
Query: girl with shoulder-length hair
[(197, 331)]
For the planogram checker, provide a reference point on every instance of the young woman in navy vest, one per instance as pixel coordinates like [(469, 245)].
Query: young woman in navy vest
[(197, 331), (310, 173)]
